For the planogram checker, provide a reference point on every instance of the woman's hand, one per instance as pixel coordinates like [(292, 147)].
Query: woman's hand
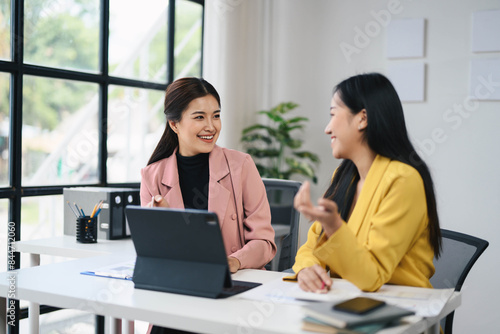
[(158, 201), (327, 212), (234, 264), (314, 279)]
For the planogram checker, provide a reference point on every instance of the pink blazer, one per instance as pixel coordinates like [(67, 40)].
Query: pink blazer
[(236, 194)]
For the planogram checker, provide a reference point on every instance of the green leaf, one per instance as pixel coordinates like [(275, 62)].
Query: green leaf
[(263, 153), (275, 117), (307, 155), (295, 127), (293, 143), (273, 132), (281, 144), (300, 167), (262, 170), (303, 171), (253, 128), (297, 119), (256, 137), (283, 108)]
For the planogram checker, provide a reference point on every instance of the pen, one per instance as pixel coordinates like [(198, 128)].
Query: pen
[(77, 208), (94, 210), (322, 285), (99, 208), (72, 209)]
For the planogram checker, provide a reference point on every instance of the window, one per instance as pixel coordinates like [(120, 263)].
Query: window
[(5, 30), (4, 128), (62, 34), (60, 140), (78, 109)]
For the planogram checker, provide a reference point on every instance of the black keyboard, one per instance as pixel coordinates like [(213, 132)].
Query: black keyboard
[(238, 287)]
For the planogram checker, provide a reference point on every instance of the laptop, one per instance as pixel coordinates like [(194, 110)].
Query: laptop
[(181, 251)]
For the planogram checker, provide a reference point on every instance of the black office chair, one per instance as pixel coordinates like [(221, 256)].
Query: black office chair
[(460, 252), (284, 218)]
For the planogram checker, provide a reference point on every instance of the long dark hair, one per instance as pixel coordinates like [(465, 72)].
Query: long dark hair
[(386, 135), (177, 98)]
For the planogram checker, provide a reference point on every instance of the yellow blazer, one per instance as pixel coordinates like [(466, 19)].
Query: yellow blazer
[(386, 239), (236, 194)]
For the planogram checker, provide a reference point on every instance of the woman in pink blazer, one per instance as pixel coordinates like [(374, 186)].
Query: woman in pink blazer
[(188, 170)]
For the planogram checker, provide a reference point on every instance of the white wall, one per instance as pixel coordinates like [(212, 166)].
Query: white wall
[(305, 62)]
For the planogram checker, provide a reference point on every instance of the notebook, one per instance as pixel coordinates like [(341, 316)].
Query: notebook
[(181, 251), (325, 312)]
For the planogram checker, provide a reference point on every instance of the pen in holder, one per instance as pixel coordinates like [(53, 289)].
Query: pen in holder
[(86, 229)]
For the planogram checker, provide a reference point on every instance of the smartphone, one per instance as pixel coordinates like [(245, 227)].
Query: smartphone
[(359, 305)]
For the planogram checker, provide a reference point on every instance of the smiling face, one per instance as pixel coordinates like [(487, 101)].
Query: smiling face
[(199, 127), (344, 129)]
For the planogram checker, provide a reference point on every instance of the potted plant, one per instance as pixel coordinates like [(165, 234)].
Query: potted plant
[(275, 149)]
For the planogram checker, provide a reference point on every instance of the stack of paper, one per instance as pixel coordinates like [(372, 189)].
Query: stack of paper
[(124, 270)]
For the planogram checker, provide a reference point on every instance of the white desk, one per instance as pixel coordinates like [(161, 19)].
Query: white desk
[(62, 285), (67, 246)]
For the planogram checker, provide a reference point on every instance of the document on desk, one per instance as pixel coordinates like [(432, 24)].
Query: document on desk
[(424, 302), (279, 291), (122, 270)]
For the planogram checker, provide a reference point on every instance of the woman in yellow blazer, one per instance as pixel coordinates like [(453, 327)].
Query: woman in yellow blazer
[(377, 222)]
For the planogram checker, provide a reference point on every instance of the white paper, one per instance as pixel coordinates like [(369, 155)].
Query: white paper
[(276, 291), (123, 270), (485, 31), (405, 38), (485, 79), (409, 80), (424, 302)]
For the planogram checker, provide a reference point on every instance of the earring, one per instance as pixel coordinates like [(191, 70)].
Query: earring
[(359, 127)]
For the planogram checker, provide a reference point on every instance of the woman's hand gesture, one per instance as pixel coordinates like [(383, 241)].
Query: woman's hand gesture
[(326, 212), (158, 201)]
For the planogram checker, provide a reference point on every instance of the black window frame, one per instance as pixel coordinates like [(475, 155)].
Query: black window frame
[(18, 69)]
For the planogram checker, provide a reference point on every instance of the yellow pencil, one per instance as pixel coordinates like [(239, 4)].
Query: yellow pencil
[(93, 211)]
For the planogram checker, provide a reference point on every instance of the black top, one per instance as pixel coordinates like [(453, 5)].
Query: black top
[(194, 175)]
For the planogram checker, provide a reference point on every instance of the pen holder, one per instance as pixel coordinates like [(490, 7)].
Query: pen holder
[(86, 230)]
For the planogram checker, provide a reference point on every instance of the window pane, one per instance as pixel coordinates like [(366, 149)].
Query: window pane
[(138, 39), (62, 34), (188, 36), (4, 128), (4, 221), (60, 136), (5, 30), (41, 217), (136, 123)]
